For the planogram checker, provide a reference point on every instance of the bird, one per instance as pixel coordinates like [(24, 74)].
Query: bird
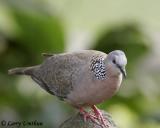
[(82, 78)]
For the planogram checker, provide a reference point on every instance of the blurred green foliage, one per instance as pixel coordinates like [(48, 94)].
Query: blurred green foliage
[(47, 28), (39, 30), (127, 37)]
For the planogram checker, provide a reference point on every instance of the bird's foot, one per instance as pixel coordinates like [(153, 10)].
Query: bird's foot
[(87, 115), (99, 115)]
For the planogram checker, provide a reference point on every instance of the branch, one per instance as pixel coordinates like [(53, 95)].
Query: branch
[(77, 121)]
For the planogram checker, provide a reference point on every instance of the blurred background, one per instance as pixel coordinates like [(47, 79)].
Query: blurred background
[(31, 27)]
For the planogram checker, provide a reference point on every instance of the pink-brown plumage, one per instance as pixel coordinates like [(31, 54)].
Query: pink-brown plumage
[(82, 78)]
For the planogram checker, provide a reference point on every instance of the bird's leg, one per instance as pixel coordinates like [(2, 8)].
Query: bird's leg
[(99, 115), (87, 115)]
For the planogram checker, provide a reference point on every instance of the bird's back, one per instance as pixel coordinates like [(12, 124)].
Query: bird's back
[(59, 73)]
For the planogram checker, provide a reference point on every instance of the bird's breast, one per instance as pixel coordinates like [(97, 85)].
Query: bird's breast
[(94, 91)]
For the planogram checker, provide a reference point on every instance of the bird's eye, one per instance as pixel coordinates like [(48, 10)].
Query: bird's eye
[(114, 61)]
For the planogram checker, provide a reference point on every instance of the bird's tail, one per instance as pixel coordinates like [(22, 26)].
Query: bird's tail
[(23, 70)]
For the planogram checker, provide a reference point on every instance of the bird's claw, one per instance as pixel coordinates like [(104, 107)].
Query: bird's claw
[(87, 115), (99, 116)]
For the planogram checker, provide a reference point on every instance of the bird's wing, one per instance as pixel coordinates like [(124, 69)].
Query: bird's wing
[(59, 72)]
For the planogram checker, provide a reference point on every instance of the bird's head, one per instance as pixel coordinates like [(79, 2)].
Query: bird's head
[(117, 61)]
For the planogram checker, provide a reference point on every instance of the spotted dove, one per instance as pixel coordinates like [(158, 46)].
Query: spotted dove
[(82, 79)]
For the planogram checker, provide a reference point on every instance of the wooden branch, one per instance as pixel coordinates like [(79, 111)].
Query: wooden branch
[(77, 121)]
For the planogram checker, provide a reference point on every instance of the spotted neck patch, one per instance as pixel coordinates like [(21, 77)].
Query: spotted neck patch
[(98, 67)]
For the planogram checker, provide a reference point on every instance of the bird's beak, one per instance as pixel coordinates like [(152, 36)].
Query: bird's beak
[(123, 71)]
